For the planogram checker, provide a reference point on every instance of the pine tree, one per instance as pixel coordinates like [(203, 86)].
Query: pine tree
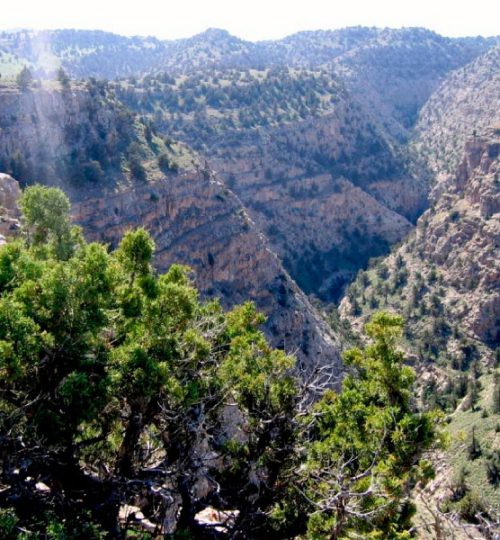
[(474, 450), (366, 442), (493, 468), (24, 79), (496, 393), (108, 367), (473, 393), (63, 78)]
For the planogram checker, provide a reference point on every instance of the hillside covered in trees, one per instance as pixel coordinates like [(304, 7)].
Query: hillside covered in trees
[(249, 289)]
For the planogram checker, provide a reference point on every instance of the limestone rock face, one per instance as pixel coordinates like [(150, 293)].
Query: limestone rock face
[(463, 236), (466, 103), (9, 211), (51, 136), (198, 222)]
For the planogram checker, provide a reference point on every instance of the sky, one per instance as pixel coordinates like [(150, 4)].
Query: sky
[(252, 19)]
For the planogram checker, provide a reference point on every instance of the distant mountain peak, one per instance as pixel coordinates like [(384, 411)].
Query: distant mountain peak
[(216, 34)]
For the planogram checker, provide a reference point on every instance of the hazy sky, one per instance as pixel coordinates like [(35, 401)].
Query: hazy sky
[(252, 19)]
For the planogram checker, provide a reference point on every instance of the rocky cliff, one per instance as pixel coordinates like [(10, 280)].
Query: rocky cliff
[(446, 277), (9, 212), (193, 218), (314, 171), (314, 188), (197, 221), (54, 135), (394, 72), (467, 102)]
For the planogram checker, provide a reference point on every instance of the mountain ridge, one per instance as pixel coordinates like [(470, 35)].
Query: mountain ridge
[(154, 52)]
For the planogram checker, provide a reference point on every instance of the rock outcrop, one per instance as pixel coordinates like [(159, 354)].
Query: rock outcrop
[(53, 136), (194, 219), (314, 185), (446, 277), (197, 221), (9, 211), (466, 103)]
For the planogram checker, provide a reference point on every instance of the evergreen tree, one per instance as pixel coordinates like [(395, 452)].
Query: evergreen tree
[(496, 393), (474, 450), (493, 467), (366, 442), (24, 79), (121, 387), (459, 486), (63, 78), (473, 393), (108, 367)]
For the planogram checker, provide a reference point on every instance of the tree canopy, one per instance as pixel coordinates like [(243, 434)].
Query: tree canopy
[(129, 405), (116, 381), (365, 443)]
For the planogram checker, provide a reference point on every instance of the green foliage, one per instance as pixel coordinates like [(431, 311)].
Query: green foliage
[(63, 78), (366, 443), (104, 364), (459, 485), (24, 79), (166, 164), (137, 169), (135, 252), (474, 448), (92, 171), (241, 100), (470, 506), (8, 522), (107, 366), (495, 406), (493, 468), (46, 220)]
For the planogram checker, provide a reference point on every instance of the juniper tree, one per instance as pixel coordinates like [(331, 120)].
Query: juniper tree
[(116, 381), (365, 444)]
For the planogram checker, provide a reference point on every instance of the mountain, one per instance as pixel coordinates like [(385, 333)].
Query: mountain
[(358, 166), (84, 53), (444, 277), (453, 250), (48, 135), (296, 127), (445, 280), (395, 72), (309, 132), (214, 48), (294, 146), (466, 103)]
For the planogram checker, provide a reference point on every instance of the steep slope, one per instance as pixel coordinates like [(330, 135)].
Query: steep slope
[(396, 71), (445, 277), (445, 281), (194, 219), (467, 102), (313, 170), (63, 135), (308, 186), (392, 72), (453, 252)]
